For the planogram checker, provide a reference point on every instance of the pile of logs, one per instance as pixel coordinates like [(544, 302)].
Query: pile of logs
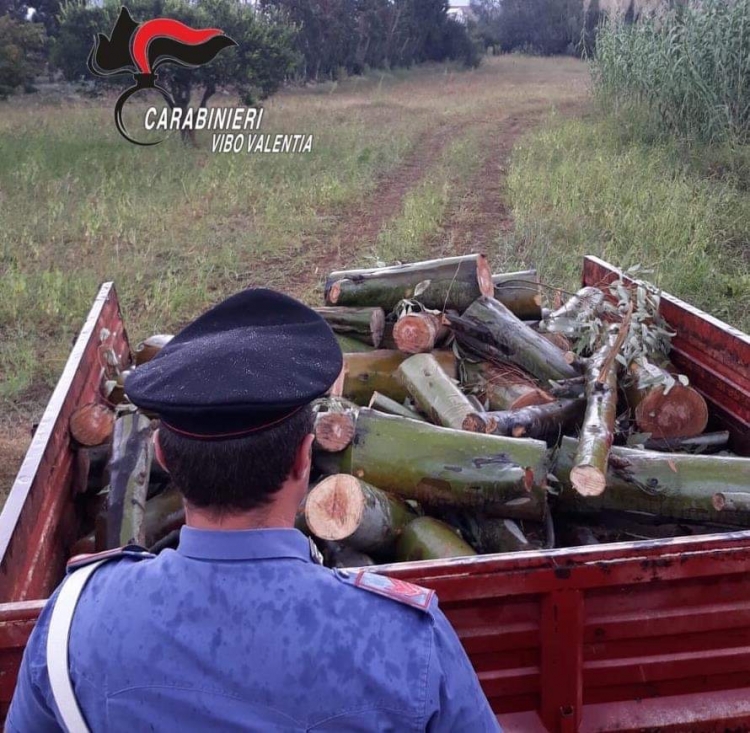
[(469, 419)]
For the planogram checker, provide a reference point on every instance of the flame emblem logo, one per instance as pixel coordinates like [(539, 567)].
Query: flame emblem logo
[(141, 48)]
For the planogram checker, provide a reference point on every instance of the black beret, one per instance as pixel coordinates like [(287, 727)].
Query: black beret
[(245, 365)]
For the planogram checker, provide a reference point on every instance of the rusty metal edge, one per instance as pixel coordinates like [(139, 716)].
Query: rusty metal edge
[(26, 476)]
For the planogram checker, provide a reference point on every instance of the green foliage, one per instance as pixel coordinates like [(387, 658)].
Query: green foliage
[(255, 68), (21, 54), (591, 187), (349, 36), (541, 27), (685, 74)]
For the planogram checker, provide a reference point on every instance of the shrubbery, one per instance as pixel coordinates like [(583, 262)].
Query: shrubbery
[(21, 54), (687, 73)]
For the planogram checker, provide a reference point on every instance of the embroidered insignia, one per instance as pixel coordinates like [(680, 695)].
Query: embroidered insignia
[(398, 590)]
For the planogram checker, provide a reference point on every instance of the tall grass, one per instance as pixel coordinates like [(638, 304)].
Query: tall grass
[(688, 71)]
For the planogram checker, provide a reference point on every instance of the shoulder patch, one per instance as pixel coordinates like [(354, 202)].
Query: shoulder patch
[(398, 590), (134, 552)]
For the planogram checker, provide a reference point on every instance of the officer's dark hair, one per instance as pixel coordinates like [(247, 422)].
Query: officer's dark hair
[(231, 476)]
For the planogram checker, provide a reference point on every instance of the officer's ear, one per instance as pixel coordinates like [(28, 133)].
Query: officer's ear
[(303, 459), (158, 453)]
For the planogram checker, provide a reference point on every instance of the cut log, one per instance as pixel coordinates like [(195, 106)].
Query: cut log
[(150, 347), (447, 468), (520, 292), (391, 407), (453, 282), (165, 513), (351, 345), (669, 485), (706, 443), (376, 372), (333, 431), (490, 535), (574, 315), (679, 413), (129, 469), (504, 389), (732, 501), (434, 392), (427, 538), (589, 472), (544, 422), (362, 324), (510, 340), (92, 424), (343, 508), (418, 333)]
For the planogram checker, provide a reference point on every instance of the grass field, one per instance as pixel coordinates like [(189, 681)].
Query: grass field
[(405, 165)]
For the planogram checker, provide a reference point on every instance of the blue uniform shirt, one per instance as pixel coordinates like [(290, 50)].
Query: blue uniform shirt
[(243, 631)]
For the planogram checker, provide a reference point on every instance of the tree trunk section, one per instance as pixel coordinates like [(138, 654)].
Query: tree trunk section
[(544, 422), (504, 389), (670, 485), (333, 430), (129, 470), (570, 318), (434, 392), (490, 323), (706, 443), (679, 413), (362, 324), (418, 333), (589, 473), (520, 293), (732, 501), (443, 468), (350, 345), (376, 371), (344, 509), (453, 282), (391, 407), (430, 539), (491, 535)]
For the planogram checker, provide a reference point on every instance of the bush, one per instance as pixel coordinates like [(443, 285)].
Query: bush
[(685, 73), (21, 54)]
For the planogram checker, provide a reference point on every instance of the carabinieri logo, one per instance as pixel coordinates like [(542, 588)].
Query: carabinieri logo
[(141, 48)]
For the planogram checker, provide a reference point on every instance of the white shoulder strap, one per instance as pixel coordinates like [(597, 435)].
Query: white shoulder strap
[(57, 648)]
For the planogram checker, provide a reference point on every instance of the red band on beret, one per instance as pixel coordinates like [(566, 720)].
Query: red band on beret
[(238, 434)]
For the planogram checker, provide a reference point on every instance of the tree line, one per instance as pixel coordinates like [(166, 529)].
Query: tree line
[(277, 40)]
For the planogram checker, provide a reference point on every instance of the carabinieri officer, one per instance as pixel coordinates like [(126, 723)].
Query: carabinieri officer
[(241, 628)]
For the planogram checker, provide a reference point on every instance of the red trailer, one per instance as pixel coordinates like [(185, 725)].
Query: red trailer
[(629, 636)]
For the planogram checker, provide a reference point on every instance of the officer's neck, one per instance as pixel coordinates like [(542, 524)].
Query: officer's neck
[(278, 514)]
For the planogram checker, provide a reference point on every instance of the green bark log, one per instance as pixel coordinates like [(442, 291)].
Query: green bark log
[(671, 485), (434, 392), (338, 555), (129, 469), (507, 339), (491, 535), (589, 472), (377, 372), (503, 389), (430, 539), (544, 422), (385, 404), (572, 317), (520, 292), (350, 345), (419, 333), (453, 282), (362, 324), (706, 443), (342, 508), (441, 467)]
